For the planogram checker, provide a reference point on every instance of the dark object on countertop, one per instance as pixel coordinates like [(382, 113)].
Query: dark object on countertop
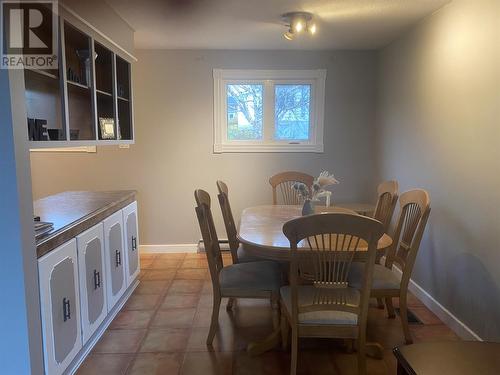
[(452, 357), (42, 228), (41, 225)]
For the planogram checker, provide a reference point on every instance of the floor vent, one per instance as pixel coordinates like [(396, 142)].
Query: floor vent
[(412, 318)]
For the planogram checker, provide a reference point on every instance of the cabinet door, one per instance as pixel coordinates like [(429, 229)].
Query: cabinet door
[(92, 279), (115, 265), (124, 95), (131, 241), (60, 305)]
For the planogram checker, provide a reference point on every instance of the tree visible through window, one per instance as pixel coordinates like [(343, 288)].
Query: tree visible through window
[(268, 110), (291, 111), (244, 112)]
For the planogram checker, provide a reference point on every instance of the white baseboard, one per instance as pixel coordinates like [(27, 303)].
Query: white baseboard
[(441, 312), (174, 248)]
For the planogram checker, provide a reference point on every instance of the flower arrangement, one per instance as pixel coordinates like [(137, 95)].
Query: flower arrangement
[(318, 187)]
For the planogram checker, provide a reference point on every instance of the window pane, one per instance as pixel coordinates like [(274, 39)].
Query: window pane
[(291, 112), (244, 112)]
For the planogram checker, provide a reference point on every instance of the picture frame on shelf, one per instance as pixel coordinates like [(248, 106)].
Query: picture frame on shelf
[(107, 127)]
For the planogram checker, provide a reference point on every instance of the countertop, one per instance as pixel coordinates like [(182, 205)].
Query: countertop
[(73, 212)]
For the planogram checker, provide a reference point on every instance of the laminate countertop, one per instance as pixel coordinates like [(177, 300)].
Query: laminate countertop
[(73, 212)]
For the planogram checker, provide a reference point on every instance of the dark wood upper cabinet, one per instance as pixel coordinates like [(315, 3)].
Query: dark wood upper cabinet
[(87, 100)]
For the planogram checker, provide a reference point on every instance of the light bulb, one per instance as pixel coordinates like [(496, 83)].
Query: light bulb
[(298, 26), (312, 29)]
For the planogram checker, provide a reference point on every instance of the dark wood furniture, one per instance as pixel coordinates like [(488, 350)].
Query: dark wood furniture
[(443, 358), (87, 100)]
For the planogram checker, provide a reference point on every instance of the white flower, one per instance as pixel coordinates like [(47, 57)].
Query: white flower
[(326, 179)]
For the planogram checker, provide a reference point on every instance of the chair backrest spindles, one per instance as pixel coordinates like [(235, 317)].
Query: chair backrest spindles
[(283, 182), (323, 248), (414, 213), (386, 203)]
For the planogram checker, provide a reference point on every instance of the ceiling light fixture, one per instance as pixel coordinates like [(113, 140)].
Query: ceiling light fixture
[(298, 22), (288, 35)]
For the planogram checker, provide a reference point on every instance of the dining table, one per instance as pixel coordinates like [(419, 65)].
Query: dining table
[(261, 235)]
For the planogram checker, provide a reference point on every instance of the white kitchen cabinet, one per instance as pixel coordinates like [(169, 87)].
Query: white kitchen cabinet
[(131, 241), (92, 276), (60, 307), (115, 258)]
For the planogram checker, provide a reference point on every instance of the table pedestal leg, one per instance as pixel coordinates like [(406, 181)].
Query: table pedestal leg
[(374, 350), (269, 343)]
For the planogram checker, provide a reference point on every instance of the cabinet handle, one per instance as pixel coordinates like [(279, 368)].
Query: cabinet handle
[(66, 309), (134, 243), (97, 279), (118, 258)]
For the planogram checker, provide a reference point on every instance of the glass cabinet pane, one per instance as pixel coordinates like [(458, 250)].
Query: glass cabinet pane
[(106, 128), (44, 105), (43, 98), (124, 99), (79, 84)]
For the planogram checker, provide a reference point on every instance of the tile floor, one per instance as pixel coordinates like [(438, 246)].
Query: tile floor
[(163, 327)]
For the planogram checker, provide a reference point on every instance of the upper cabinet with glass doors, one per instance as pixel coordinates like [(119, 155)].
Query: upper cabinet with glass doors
[(87, 100)]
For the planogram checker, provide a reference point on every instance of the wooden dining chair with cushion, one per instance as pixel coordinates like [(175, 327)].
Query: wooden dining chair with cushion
[(323, 248), (243, 280), (414, 212), (238, 253), (386, 203), (282, 183)]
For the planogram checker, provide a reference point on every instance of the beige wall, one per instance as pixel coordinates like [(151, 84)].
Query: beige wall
[(439, 111), (174, 140)]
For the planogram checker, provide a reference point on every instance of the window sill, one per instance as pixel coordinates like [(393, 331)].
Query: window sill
[(226, 148)]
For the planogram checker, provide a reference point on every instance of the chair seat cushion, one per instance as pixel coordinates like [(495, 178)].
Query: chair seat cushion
[(383, 277), (306, 296), (244, 257), (253, 276)]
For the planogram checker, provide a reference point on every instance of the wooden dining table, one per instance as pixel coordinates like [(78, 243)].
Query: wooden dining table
[(261, 231), (261, 234)]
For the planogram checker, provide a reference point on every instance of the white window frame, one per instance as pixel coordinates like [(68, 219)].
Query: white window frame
[(268, 78)]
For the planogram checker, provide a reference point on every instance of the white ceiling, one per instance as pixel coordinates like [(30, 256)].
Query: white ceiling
[(256, 24)]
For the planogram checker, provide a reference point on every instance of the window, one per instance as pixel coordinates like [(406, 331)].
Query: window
[(268, 110)]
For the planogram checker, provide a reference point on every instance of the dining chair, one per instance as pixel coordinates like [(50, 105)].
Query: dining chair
[(284, 181), (261, 279), (322, 249), (387, 193), (414, 213), (238, 253)]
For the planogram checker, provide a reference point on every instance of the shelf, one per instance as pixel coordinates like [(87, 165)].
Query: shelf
[(78, 103), (43, 73), (103, 93), (77, 84)]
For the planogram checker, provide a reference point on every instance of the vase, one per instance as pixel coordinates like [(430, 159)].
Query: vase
[(308, 207)]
